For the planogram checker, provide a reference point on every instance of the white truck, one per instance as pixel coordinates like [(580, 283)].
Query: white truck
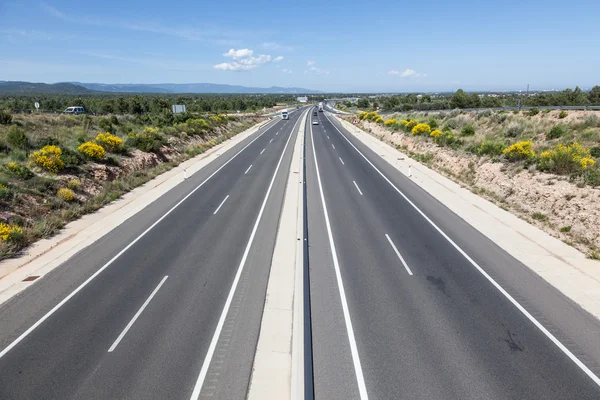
[(285, 114), (321, 107)]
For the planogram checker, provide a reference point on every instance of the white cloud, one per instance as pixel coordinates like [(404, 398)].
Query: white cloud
[(278, 58), (309, 63), (243, 60), (286, 71), (407, 73), (241, 53)]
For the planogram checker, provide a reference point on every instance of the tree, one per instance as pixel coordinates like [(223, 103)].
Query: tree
[(363, 103), (594, 95), (17, 139), (460, 99)]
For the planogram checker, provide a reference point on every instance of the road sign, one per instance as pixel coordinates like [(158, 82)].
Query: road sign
[(37, 105), (352, 109), (178, 108)]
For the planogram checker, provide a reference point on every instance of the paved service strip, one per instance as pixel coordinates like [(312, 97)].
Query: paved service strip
[(272, 372)]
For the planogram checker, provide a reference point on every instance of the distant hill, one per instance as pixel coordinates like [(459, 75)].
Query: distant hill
[(33, 87), (187, 88)]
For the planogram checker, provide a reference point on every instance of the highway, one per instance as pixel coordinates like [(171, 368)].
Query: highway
[(407, 301), (399, 312), (148, 326)]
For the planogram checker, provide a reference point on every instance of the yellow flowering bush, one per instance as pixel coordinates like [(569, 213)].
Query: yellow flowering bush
[(378, 119), (110, 142), (420, 129), (48, 158), (10, 232), (563, 159), (435, 133), (390, 122), (408, 125), (519, 151), (65, 194), (92, 150), (362, 115)]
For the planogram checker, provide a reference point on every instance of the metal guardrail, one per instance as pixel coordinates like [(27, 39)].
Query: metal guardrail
[(580, 108)]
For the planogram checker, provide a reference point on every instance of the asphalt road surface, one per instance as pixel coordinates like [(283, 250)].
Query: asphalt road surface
[(398, 312), (407, 300), (143, 327)]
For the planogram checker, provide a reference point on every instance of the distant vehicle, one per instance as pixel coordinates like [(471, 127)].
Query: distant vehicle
[(315, 113), (315, 122), (74, 110), (321, 107), (284, 114), (297, 107)]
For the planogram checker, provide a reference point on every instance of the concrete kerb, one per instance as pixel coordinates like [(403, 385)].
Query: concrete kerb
[(278, 363), (46, 254), (547, 256)]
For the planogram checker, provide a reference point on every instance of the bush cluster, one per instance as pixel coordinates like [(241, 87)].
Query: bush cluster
[(563, 159), (110, 142), (18, 170), (73, 184), (490, 148), (5, 117), (563, 114), (65, 194), (534, 111), (149, 140), (519, 151), (92, 151), (17, 139), (420, 129), (10, 233), (369, 116), (556, 132), (390, 122), (446, 138), (468, 130), (48, 158)]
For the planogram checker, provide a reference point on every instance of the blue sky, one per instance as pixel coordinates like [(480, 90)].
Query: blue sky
[(428, 45)]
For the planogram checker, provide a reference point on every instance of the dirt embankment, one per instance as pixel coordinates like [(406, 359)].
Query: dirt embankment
[(562, 208)]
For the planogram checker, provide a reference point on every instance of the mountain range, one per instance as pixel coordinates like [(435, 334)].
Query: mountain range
[(165, 88)]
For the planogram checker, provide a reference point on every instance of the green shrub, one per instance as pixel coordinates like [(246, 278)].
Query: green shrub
[(47, 141), (71, 158), (18, 155), (566, 228), (73, 184), (446, 138), (566, 159), (538, 216), (468, 130), (433, 123), (106, 125), (5, 117), (514, 129), (17, 139), (114, 120), (534, 111), (17, 171), (591, 176), (5, 194), (556, 132), (595, 151), (563, 114), (546, 111), (150, 140), (490, 148)]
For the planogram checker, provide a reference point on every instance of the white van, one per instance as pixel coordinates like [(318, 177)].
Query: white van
[(74, 110)]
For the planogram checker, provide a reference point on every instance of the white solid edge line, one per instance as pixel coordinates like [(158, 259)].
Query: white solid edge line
[(341, 160), (360, 380), (357, 188), (248, 169), (263, 150), (530, 317), (270, 140), (332, 146), (398, 254), (137, 314), (220, 205), (219, 328), (88, 280)]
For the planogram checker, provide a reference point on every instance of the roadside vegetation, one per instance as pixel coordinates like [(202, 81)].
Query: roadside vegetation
[(56, 168)]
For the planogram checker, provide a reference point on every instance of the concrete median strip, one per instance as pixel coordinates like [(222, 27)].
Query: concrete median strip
[(47, 254), (278, 363)]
